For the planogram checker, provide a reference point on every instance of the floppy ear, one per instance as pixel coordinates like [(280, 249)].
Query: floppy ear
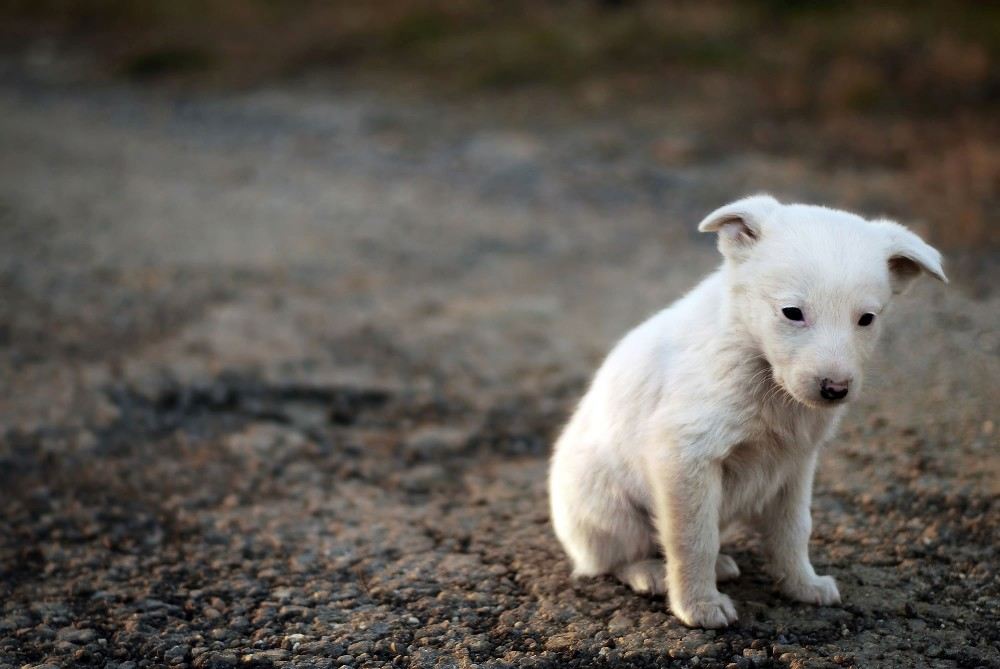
[(739, 223), (908, 255)]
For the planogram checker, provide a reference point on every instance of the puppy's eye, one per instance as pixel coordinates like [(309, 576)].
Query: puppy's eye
[(793, 314), (866, 320)]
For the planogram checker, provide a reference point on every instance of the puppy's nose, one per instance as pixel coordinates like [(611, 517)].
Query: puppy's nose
[(833, 390)]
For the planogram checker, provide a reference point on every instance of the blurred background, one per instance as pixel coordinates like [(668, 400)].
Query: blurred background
[(911, 87), (294, 296)]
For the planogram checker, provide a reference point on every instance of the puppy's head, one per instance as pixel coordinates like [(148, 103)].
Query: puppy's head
[(809, 285)]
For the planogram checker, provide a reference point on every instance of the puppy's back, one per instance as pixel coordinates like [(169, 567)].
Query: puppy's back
[(640, 368)]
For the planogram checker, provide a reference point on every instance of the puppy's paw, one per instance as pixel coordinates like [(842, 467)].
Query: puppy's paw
[(725, 568), (820, 590), (711, 613), (645, 576)]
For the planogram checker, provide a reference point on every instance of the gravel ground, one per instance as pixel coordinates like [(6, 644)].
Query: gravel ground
[(279, 371)]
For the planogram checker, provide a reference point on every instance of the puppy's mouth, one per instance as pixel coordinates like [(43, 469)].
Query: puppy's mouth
[(813, 401), (783, 392), (769, 385)]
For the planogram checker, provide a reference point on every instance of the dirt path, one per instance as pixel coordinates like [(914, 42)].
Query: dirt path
[(279, 372)]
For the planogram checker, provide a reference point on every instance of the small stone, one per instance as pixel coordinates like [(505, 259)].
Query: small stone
[(437, 440), (620, 623), (345, 660), (564, 641), (292, 611), (424, 478), (272, 655), (359, 647), (292, 641), (46, 632), (479, 643), (177, 654), (711, 650), (239, 623), (74, 635), (266, 657), (217, 660)]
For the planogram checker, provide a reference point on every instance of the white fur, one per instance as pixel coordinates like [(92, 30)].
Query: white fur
[(710, 412)]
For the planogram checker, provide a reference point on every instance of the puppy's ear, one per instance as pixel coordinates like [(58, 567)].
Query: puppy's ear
[(908, 256), (739, 223)]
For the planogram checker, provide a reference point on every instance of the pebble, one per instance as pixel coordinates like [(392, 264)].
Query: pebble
[(480, 643), (436, 441), (564, 641), (177, 654), (216, 660), (73, 635), (424, 478), (711, 650), (45, 632), (359, 647), (293, 611), (758, 658), (620, 623)]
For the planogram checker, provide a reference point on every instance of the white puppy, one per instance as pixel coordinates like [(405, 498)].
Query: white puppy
[(713, 410)]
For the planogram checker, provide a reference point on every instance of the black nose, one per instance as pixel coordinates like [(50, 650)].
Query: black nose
[(830, 390)]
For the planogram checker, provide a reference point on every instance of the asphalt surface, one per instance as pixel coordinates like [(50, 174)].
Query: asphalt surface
[(280, 369)]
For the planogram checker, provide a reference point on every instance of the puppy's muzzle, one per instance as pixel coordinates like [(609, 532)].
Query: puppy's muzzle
[(833, 390)]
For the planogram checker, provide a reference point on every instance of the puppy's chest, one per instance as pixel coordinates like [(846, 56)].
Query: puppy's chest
[(758, 466)]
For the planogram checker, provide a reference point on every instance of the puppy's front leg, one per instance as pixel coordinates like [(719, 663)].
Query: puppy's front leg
[(688, 498), (786, 525)]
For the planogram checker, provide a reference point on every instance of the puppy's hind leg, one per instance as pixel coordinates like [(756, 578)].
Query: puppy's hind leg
[(651, 575), (596, 521), (619, 543), (644, 576), (726, 568)]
